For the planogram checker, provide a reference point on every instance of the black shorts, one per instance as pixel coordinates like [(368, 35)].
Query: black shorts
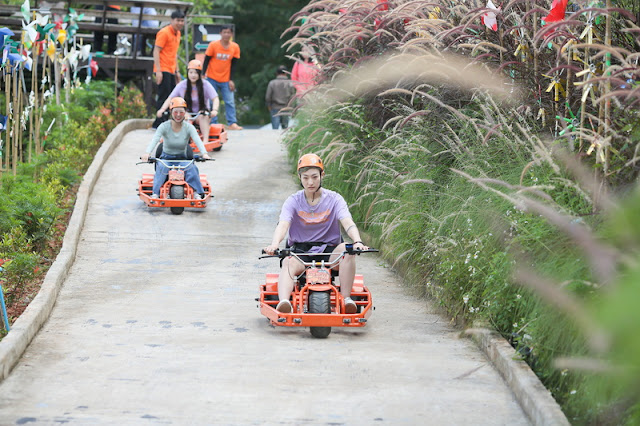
[(306, 247)]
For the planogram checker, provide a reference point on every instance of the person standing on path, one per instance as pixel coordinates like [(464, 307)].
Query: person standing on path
[(279, 92), (220, 62), (165, 59), (304, 72)]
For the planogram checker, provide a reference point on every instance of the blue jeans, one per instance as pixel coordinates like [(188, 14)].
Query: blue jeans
[(276, 120), (191, 174), (229, 101)]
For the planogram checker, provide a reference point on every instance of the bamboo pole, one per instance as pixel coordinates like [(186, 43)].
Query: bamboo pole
[(7, 145), (34, 87), (39, 103), (34, 69), (67, 77), (567, 97), (7, 129), (20, 136), (16, 124), (56, 76), (607, 85)]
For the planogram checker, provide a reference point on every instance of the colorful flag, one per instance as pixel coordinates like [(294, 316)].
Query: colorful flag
[(558, 8), (94, 67), (489, 18)]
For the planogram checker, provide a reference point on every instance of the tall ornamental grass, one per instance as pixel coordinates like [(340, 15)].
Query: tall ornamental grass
[(495, 202)]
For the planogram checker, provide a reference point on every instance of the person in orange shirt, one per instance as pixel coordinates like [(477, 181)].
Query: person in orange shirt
[(165, 59), (219, 65)]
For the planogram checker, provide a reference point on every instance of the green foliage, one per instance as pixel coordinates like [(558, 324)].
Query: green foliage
[(129, 104), (27, 205), (20, 268)]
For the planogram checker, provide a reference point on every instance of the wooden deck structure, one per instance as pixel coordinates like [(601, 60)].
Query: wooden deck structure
[(135, 67)]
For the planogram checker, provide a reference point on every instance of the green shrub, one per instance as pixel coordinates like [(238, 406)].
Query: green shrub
[(28, 205), (18, 269)]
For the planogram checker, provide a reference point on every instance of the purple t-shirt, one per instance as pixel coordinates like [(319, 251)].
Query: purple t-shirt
[(209, 94), (319, 223)]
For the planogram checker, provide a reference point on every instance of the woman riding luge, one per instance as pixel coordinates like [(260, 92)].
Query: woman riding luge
[(312, 217), (176, 134), (199, 95)]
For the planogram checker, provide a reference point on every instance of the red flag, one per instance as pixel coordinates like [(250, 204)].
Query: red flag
[(382, 5), (558, 8), (94, 67)]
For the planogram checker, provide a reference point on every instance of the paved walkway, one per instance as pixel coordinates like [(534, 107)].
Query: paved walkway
[(157, 323)]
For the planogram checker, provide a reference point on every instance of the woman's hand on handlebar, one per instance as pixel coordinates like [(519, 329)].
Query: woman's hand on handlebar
[(360, 246), (145, 157), (206, 156), (270, 249)]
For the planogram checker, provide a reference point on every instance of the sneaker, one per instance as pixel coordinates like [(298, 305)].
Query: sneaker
[(197, 196), (350, 306), (235, 126), (284, 306), (154, 196)]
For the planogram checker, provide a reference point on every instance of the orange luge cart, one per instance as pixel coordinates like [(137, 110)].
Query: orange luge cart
[(175, 193), (217, 138), (316, 299)]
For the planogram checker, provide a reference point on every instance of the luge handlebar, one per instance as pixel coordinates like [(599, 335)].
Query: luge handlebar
[(195, 158), (282, 253)]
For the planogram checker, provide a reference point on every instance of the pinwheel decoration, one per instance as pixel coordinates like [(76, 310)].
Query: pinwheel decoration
[(556, 86), (588, 31), (587, 86), (572, 122), (522, 51)]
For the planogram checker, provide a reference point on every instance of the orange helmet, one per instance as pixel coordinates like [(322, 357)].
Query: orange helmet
[(177, 102), (195, 65), (310, 160)]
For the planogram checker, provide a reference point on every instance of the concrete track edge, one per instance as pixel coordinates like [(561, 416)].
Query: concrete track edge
[(536, 400), (36, 314)]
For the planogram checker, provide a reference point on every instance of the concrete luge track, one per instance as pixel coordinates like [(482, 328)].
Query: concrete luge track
[(156, 322)]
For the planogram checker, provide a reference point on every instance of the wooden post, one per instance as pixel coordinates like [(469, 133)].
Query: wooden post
[(20, 101), (115, 78), (67, 74), (7, 129), (607, 85), (16, 123), (56, 73)]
